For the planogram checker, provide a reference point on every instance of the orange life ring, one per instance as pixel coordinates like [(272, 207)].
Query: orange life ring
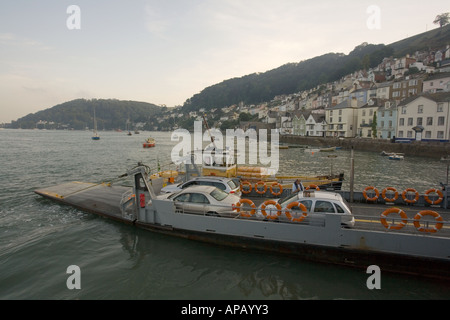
[(274, 203), (439, 193), (250, 203), (276, 193), (375, 197), (312, 186), (437, 216), (260, 191), (383, 194), (416, 198), (246, 183), (302, 207), (398, 226)]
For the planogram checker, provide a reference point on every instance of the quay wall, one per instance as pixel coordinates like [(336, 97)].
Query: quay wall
[(435, 150)]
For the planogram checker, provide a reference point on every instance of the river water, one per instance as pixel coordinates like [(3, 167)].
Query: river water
[(40, 239)]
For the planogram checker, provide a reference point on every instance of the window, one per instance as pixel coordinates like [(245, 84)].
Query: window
[(410, 134), (410, 121), (183, 198), (198, 198), (382, 124), (339, 209), (401, 122), (403, 110), (428, 134), (440, 107), (420, 109), (440, 134), (429, 121), (400, 134), (324, 207), (441, 121)]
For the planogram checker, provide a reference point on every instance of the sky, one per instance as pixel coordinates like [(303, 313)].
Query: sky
[(165, 51)]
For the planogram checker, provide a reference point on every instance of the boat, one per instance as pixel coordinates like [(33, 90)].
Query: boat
[(95, 136), (325, 240), (396, 157), (149, 143)]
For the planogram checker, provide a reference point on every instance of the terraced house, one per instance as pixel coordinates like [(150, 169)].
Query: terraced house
[(424, 118)]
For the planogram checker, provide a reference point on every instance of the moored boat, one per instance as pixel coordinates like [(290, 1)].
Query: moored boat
[(149, 143)]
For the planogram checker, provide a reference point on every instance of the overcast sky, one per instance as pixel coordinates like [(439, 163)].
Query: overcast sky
[(165, 51)]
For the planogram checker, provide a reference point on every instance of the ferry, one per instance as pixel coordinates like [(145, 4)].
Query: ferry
[(424, 252)]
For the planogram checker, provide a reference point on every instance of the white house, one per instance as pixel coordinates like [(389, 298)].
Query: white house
[(424, 117), (342, 119)]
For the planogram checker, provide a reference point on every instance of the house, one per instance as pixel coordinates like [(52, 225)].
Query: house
[(299, 123), (366, 117), (424, 117), (342, 119), (401, 66), (316, 125), (436, 83), (384, 90), (406, 88), (387, 120)]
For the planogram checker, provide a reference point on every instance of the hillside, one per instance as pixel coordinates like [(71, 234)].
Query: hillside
[(305, 75), (79, 115)]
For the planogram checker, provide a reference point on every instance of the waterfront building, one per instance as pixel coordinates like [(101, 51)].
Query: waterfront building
[(387, 120), (342, 119), (366, 117), (424, 118)]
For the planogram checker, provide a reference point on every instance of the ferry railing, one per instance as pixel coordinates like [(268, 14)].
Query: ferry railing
[(426, 225)]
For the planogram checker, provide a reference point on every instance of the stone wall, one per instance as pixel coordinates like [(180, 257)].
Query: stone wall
[(436, 150)]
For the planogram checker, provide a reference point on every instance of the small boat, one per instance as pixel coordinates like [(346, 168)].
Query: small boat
[(395, 156), (149, 143)]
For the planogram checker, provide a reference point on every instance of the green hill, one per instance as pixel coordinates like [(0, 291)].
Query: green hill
[(305, 75), (79, 115)]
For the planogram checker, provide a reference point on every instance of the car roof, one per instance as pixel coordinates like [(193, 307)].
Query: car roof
[(322, 195), (198, 188), (212, 178)]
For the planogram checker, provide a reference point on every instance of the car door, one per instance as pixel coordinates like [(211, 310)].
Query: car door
[(198, 203), (181, 202)]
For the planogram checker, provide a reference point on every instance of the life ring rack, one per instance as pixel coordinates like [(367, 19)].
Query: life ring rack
[(246, 183), (398, 226), (302, 207), (273, 203), (276, 194), (411, 201), (375, 197), (385, 190), (238, 205), (437, 217), (259, 183), (438, 192)]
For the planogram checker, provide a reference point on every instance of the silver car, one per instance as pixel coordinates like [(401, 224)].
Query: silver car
[(226, 184), (203, 200), (317, 204)]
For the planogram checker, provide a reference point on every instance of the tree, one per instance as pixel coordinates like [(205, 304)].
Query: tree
[(442, 19), (374, 125)]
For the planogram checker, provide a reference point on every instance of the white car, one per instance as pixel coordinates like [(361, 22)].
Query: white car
[(226, 184), (203, 200), (316, 202)]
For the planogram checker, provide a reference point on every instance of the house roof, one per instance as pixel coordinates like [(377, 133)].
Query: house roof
[(437, 97)]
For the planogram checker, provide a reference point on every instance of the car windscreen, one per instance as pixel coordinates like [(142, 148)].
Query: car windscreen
[(218, 194), (289, 199), (232, 184)]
